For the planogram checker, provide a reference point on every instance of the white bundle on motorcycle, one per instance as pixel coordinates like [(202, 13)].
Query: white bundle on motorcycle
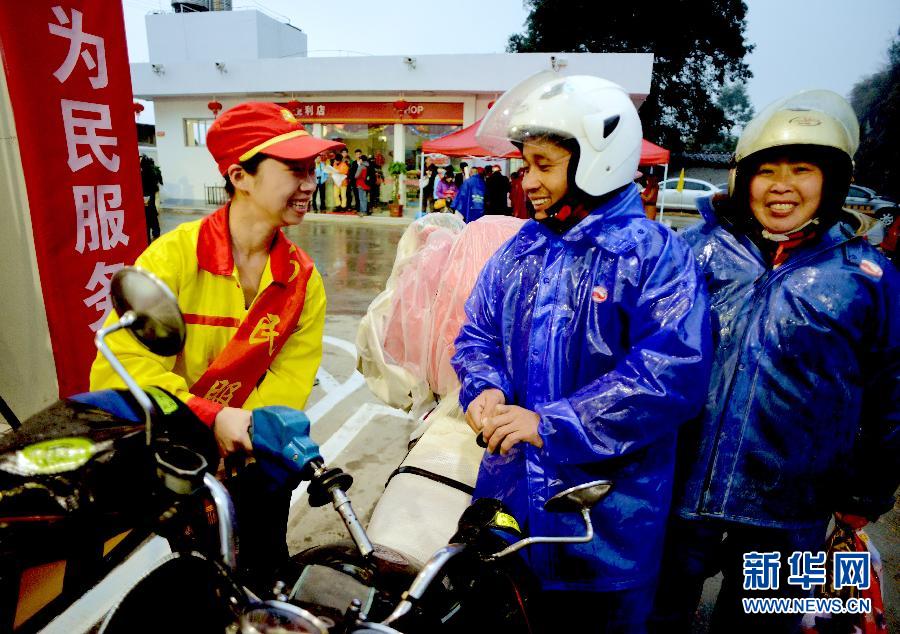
[(417, 515), (398, 377)]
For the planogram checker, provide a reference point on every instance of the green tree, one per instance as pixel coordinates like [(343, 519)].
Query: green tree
[(876, 100), (698, 47), (738, 110)]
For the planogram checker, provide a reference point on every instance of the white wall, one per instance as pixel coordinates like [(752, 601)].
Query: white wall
[(487, 74), (27, 372), (220, 36), (185, 169), (279, 40)]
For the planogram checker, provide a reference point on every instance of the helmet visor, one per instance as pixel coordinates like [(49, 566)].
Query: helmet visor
[(513, 118)]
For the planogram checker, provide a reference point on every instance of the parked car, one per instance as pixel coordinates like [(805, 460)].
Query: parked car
[(685, 200), (868, 201)]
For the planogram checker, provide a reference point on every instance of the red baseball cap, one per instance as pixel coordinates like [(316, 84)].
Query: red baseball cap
[(252, 128)]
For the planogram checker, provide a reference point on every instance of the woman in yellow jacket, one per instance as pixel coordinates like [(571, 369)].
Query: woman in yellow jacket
[(253, 302)]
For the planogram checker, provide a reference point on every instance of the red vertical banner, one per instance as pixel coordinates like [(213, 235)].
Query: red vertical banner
[(66, 66)]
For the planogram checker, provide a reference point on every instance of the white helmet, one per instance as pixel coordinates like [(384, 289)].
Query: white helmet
[(596, 113)]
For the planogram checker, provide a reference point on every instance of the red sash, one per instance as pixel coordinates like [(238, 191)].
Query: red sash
[(242, 363)]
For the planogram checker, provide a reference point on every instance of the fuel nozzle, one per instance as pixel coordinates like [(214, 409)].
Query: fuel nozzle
[(330, 484)]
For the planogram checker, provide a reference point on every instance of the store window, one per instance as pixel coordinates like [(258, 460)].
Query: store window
[(374, 140), (416, 134), (195, 131)]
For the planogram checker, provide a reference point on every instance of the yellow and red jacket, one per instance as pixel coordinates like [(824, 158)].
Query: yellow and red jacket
[(195, 262)]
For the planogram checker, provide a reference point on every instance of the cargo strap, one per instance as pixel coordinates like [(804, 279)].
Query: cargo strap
[(450, 482)]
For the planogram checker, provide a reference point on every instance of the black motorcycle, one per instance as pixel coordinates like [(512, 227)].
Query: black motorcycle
[(88, 481)]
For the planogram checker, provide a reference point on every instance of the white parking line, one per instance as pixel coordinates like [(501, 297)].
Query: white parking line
[(338, 394), (326, 381), (343, 344), (345, 434)]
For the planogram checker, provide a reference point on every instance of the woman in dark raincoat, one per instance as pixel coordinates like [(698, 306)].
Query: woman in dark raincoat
[(804, 403), (586, 346)]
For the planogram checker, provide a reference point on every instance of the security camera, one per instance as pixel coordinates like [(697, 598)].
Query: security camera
[(410, 61), (558, 62)]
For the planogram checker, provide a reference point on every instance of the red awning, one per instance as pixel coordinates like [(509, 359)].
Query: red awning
[(463, 143), (653, 154)]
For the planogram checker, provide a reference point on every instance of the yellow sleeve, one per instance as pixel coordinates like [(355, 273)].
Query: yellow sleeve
[(289, 379), (167, 258)]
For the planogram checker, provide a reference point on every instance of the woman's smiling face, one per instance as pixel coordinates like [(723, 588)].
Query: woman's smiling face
[(283, 189), (785, 193)]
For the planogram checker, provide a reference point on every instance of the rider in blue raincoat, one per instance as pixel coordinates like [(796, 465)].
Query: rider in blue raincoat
[(470, 199), (804, 403), (586, 346)]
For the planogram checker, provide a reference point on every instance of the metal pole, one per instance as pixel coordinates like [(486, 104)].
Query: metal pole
[(421, 183), (662, 200)]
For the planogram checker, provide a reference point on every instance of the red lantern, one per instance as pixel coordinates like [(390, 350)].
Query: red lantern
[(400, 105), (294, 106), (215, 106), (491, 104), (138, 109)]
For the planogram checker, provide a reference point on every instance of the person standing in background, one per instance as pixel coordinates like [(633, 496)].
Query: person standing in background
[(151, 179), (321, 180), (362, 186), (497, 198), (650, 194)]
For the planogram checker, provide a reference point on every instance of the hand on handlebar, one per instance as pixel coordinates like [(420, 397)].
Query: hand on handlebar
[(231, 429)]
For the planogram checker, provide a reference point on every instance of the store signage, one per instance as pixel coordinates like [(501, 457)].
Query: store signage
[(423, 112), (70, 87)]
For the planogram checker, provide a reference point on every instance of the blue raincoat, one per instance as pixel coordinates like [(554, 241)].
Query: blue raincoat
[(604, 332), (803, 417), (470, 199)]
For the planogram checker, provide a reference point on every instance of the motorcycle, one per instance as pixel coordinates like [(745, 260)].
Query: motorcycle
[(88, 481)]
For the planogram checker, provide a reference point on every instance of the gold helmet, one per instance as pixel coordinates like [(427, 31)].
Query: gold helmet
[(808, 118)]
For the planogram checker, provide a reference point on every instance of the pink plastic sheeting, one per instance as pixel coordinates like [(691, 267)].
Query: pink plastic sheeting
[(471, 250), (427, 308), (407, 330)]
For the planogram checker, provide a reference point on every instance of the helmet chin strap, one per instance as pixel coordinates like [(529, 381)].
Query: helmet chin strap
[(788, 235), (563, 215)]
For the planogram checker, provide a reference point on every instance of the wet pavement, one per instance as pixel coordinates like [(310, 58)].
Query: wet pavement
[(355, 260)]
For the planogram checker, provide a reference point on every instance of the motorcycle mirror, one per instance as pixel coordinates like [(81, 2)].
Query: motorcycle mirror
[(577, 499), (158, 323), (583, 496)]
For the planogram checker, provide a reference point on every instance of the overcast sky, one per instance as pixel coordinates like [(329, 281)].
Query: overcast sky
[(799, 43)]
